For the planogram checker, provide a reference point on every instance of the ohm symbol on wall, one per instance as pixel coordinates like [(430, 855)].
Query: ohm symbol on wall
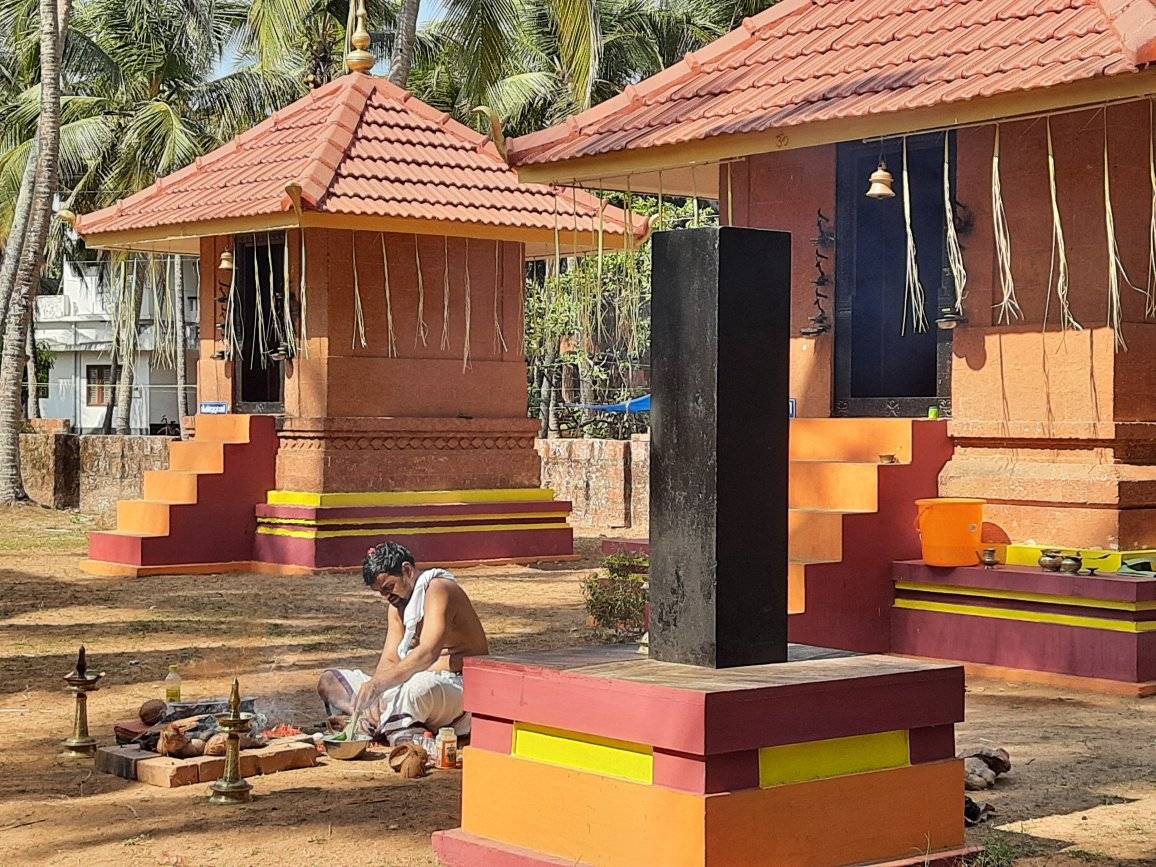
[(782, 140)]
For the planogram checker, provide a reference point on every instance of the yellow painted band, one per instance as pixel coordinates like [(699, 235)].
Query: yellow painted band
[(408, 498), (1024, 596), (835, 757), (316, 522), (1029, 555), (581, 752), (1027, 616), (406, 531)]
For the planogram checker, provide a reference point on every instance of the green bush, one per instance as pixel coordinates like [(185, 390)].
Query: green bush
[(616, 600)]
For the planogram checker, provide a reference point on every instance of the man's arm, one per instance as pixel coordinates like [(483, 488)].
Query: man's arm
[(389, 658), (434, 627)]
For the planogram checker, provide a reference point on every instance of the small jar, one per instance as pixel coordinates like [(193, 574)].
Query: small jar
[(446, 748)]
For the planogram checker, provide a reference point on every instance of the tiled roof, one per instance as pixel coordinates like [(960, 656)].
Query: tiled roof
[(804, 61), (363, 147)]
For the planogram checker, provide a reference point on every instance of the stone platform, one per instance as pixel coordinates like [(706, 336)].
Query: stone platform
[(1099, 628), (600, 756)]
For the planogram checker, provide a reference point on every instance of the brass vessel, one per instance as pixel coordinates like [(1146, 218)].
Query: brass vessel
[(1050, 559)]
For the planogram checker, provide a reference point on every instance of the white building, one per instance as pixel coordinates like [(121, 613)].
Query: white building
[(76, 326)]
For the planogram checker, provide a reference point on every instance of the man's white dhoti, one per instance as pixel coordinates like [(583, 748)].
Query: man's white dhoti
[(428, 700)]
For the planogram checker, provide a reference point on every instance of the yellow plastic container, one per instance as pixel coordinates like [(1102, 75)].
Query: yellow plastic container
[(949, 528)]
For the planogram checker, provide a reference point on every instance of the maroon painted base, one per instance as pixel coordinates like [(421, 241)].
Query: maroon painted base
[(432, 548), (456, 848), (1060, 648)]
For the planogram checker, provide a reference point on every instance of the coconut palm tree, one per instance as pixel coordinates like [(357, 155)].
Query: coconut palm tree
[(535, 62), (30, 252), (404, 42)]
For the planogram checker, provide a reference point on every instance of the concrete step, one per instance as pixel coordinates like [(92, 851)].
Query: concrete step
[(851, 439), (170, 486), (142, 517), (197, 456), (839, 486), (231, 428)]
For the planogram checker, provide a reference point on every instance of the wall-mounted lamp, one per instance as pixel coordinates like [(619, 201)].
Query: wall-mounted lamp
[(949, 318)]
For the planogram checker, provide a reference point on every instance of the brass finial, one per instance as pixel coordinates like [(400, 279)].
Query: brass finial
[(235, 698), (360, 59)]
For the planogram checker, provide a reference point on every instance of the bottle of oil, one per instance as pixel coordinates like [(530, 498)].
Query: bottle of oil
[(172, 685)]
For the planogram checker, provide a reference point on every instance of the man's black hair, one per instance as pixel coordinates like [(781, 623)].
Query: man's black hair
[(387, 558)]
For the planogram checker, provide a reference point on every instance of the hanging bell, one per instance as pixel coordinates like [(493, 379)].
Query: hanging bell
[(226, 263), (881, 183)]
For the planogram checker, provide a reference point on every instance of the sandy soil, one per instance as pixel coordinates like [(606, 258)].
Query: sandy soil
[(1083, 786)]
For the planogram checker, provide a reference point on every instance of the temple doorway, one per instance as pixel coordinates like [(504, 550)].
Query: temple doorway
[(884, 367), (260, 295)]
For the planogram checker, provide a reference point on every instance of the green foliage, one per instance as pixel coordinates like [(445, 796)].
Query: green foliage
[(592, 314), (617, 599)]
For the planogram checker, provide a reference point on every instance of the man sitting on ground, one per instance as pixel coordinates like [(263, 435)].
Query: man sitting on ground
[(418, 683)]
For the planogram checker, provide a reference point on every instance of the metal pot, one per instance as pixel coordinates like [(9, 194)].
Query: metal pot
[(988, 558), (1071, 564), (1050, 559)]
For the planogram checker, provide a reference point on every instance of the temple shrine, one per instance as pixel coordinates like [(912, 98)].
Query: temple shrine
[(969, 189), (361, 370)]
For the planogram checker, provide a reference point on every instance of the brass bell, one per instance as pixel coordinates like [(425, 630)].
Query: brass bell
[(226, 263), (881, 181)]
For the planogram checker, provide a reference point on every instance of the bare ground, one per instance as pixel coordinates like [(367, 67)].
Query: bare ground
[(1083, 788)]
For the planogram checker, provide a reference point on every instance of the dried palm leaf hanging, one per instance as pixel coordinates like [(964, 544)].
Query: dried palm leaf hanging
[(234, 325), (466, 341), (422, 328), (914, 301), (499, 338), (303, 295), (261, 343), (1008, 307), (275, 316), (358, 311), (1061, 253), (598, 264), (1150, 305), (1116, 268), (391, 334), (286, 313), (445, 344), (954, 251)]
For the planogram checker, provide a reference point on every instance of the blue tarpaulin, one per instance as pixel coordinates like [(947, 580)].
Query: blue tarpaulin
[(635, 404)]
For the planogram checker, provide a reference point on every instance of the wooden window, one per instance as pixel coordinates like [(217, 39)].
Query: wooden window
[(99, 380)]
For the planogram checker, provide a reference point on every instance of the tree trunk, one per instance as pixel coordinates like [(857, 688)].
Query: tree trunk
[(403, 42), (20, 216), (15, 242), (586, 390), (33, 410), (31, 255), (179, 316), (110, 391), (127, 350), (544, 393)]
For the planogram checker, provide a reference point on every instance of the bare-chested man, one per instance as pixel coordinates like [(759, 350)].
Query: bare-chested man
[(418, 682)]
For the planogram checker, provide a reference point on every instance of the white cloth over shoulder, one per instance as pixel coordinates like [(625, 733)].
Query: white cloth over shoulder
[(415, 608)]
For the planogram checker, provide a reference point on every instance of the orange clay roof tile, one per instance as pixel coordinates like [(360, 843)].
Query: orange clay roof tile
[(812, 60), (358, 146)]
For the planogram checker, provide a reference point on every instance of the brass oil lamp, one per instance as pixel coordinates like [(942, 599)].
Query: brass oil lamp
[(232, 788), (81, 745)]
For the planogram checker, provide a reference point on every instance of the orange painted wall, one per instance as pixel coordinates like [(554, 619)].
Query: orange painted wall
[(785, 191), (339, 377)]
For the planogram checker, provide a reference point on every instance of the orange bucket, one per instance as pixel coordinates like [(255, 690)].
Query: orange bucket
[(949, 528)]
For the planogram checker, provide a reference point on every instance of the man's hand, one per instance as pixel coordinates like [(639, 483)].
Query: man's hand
[(368, 695)]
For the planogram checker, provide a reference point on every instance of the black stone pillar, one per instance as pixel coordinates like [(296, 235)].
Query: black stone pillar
[(721, 312)]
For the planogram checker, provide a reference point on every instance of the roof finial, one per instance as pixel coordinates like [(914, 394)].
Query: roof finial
[(360, 59)]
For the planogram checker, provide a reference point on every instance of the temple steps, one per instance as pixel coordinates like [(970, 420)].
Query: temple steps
[(201, 509)]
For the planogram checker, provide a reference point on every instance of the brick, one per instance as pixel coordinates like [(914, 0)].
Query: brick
[(209, 768), (286, 757), (128, 730), (121, 761), (167, 773)]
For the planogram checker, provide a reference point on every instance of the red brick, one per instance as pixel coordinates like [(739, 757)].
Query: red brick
[(167, 773), (286, 757)]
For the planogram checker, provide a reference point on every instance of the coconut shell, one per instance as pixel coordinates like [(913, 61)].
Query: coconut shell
[(413, 767), (215, 746), (151, 711), (409, 760)]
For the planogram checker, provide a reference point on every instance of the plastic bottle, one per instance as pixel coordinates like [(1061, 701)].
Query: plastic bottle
[(172, 685), (446, 749)]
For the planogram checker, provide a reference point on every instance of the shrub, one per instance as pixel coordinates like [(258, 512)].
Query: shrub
[(617, 599)]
